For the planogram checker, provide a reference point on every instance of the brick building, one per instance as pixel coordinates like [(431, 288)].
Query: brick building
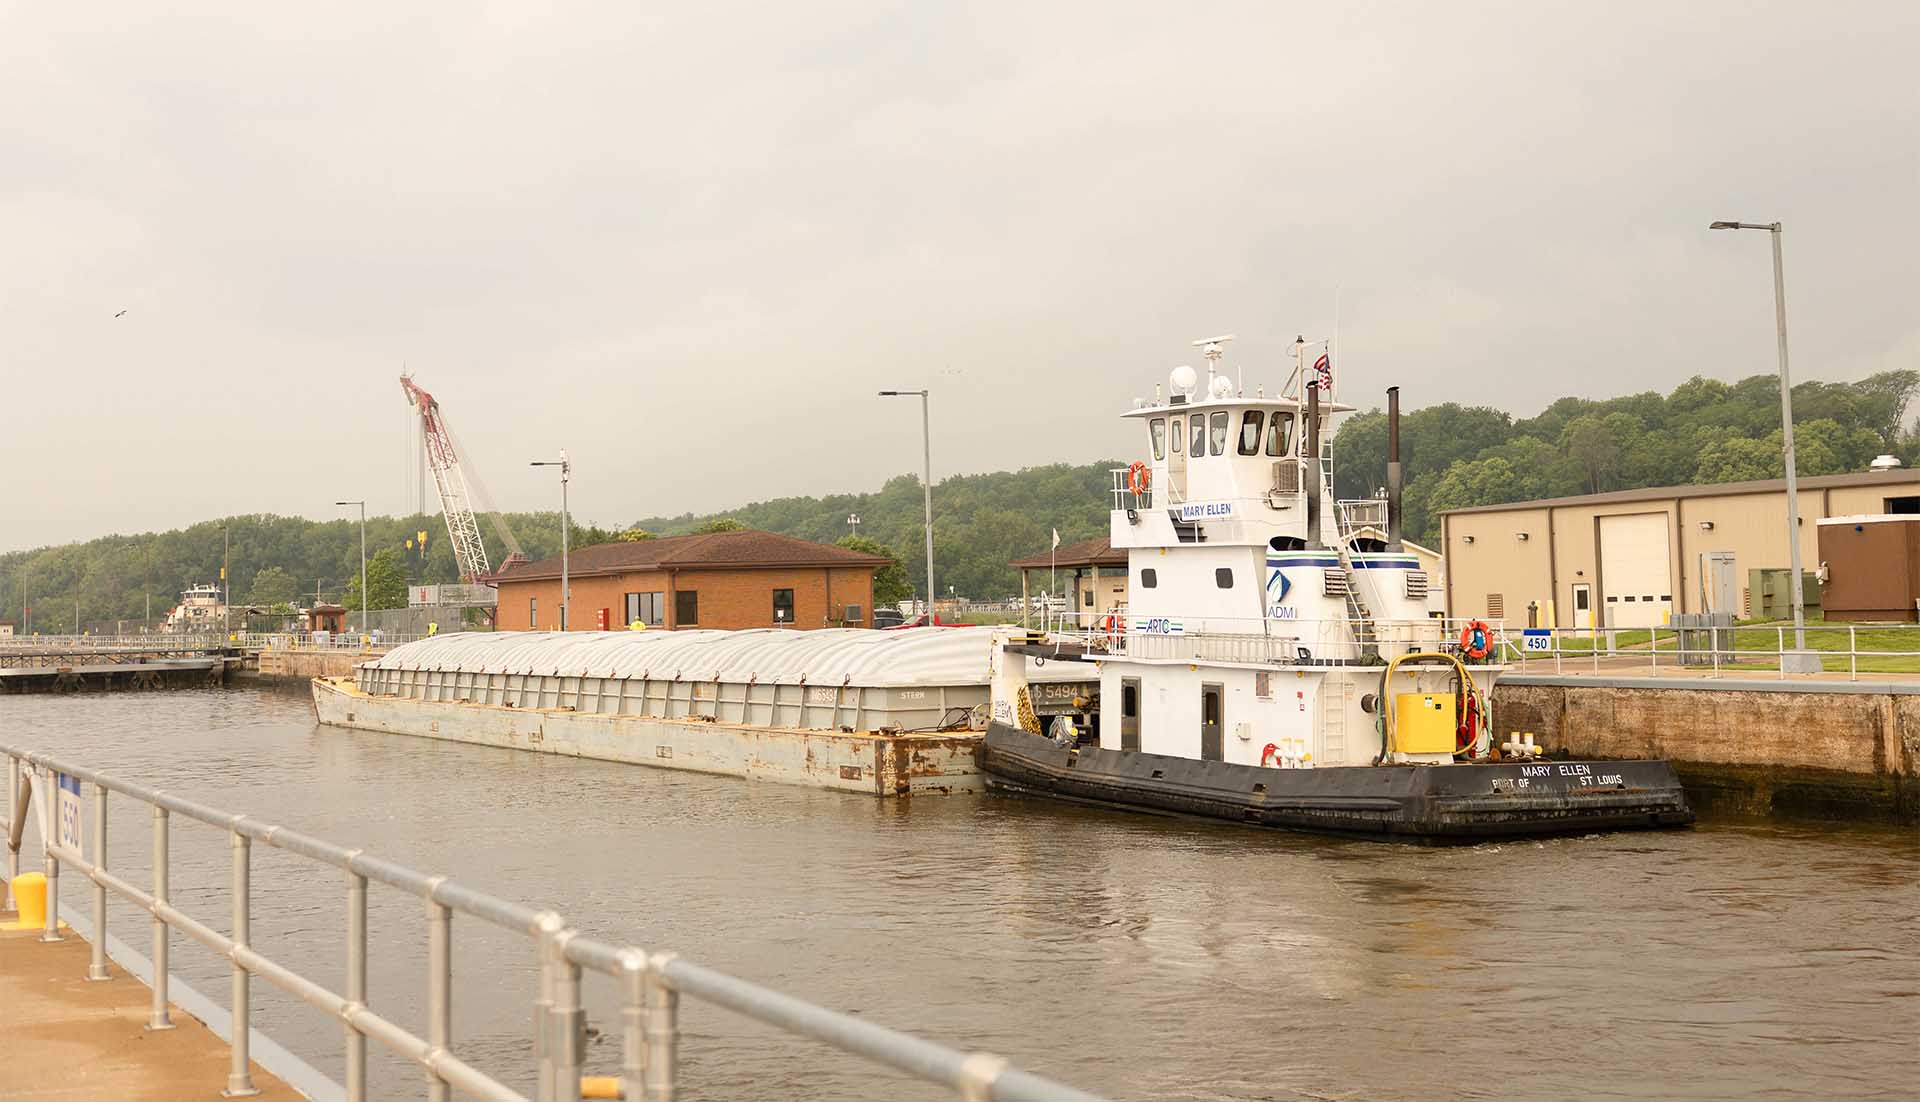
[(744, 579)]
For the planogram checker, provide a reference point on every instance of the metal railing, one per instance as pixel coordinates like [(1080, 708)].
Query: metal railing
[(651, 983), (1711, 650), (323, 641), (1278, 642), (113, 644)]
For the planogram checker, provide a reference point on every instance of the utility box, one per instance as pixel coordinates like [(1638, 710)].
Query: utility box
[(1424, 723), (1770, 593), (1873, 567)]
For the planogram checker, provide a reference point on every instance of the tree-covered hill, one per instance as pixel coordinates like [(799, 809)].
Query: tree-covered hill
[(1456, 456)]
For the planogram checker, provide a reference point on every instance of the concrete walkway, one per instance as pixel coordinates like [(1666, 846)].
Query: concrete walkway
[(64, 1037)]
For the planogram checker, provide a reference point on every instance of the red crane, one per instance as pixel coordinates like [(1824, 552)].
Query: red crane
[(450, 480)]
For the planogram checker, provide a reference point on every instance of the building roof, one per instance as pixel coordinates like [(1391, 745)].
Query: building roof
[(746, 549), (1904, 476), (831, 656), (1094, 552)]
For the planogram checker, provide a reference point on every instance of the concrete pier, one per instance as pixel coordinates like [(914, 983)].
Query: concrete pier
[(67, 1037)]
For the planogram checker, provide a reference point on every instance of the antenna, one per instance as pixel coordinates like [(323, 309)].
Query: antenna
[(1213, 348)]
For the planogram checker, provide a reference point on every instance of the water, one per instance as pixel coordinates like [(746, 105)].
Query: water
[(1139, 957)]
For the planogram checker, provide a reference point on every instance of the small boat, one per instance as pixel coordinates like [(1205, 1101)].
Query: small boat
[(1279, 661)]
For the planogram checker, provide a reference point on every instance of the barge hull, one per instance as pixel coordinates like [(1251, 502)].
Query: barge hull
[(1437, 803), (872, 764)]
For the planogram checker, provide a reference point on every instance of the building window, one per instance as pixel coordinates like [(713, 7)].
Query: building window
[(1223, 577), (686, 608), (1149, 578), (533, 613), (1901, 506), (1250, 431), (1280, 434), (783, 606), (1179, 427), (1157, 429), (648, 608), (1219, 425), (1199, 438)]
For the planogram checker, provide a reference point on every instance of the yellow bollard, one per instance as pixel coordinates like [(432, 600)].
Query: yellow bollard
[(30, 895), (600, 1086)]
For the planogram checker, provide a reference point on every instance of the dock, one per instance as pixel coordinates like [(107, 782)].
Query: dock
[(68, 1037)]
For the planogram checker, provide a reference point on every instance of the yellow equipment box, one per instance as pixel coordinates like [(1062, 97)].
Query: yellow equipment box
[(1424, 723)]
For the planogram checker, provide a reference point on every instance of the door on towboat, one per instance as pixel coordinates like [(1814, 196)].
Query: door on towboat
[(1211, 723), (1177, 462)]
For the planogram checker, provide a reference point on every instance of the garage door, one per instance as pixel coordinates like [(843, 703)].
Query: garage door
[(1635, 574)]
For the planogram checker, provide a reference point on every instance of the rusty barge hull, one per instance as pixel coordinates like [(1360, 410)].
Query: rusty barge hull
[(871, 763), (1416, 803)]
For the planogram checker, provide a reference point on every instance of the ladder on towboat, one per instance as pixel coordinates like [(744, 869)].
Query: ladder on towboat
[(1358, 614)]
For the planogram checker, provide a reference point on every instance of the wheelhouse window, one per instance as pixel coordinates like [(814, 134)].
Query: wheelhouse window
[(1219, 423), (1179, 428), (1250, 431), (1199, 439), (1157, 429), (1149, 578), (1280, 435), (783, 606)]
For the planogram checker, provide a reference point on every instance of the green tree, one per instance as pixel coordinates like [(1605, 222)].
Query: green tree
[(386, 582), (273, 586), (719, 524), (890, 584)]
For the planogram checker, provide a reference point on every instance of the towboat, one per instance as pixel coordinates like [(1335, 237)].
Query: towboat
[(1279, 661)]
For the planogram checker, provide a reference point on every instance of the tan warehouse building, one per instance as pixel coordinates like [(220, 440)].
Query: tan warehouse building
[(732, 580), (1635, 555)]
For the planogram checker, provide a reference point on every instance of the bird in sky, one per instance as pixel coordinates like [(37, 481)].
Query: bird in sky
[(121, 314)]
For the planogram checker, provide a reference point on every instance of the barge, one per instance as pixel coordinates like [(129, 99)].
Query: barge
[(883, 713), (1280, 662)]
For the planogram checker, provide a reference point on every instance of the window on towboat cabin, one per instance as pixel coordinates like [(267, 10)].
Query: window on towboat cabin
[(1157, 429), (1149, 578), (1179, 429), (1280, 435), (1223, 577), (1199, 437), (1219, 425), (1250, 431)]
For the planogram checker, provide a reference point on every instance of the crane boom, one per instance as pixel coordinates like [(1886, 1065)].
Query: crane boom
[(450, 480)]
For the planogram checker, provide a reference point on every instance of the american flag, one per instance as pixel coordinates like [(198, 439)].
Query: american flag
[(1322, 373)]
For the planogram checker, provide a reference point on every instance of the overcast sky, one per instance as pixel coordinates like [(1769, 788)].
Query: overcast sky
[(688, 242)]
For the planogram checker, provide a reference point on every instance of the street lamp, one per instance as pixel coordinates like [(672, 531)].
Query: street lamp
[(926, 482), (853, 522), (363, 559), (1801, 660), (566, 590)]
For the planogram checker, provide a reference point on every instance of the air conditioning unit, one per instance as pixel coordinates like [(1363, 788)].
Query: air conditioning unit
[(853, 614)]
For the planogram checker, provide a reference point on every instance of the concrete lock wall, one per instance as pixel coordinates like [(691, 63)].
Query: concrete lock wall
[(1835, 752)]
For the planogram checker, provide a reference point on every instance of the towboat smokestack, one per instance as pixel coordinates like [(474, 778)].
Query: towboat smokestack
[(1394, 541), (1312, 481)]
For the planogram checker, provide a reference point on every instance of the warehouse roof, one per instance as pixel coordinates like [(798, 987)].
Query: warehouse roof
[(833, 656), (1094, 552), (1905, 476), (746, 548)]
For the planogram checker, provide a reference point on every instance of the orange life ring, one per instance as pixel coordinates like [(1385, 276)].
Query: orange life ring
[(1139, 478), (1269, 753), (1115, 625), (1476, 639)]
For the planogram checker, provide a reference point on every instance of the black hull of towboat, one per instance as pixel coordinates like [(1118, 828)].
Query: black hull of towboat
[(1419, 803)]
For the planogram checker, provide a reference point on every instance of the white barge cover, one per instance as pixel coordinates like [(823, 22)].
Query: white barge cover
[(910, 679)]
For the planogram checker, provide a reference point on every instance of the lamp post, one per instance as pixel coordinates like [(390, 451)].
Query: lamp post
[(363, 559), (853, 522), (926, 482), (566, 589), (1801, 660)]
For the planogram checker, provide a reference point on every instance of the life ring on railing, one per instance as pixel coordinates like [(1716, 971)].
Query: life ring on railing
[(1139, 478), (1115, 624), (1476, 640), (1270, 753)]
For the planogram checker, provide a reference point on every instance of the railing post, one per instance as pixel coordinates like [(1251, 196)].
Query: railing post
[(49, 821), (569, 1022), (663, 1030), (14, 809), (97, 967), (548, 928), (1780, 650), (356, 981), (633, 1024), (440, 988), (1853, 653), (158, 1018), (240, 1071)]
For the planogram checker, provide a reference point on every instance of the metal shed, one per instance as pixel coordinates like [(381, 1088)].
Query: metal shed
[(833, 680)]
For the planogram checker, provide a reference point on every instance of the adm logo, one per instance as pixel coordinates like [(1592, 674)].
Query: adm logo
[(1278, 586)]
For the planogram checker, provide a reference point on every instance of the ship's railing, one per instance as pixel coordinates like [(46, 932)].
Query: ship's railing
[(323, 641), (1123, 496), (651, 982), (1282, 642), (1702, 646), (1358, 513)]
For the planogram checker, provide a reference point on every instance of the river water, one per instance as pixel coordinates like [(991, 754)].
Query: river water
[(1138, 957)]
